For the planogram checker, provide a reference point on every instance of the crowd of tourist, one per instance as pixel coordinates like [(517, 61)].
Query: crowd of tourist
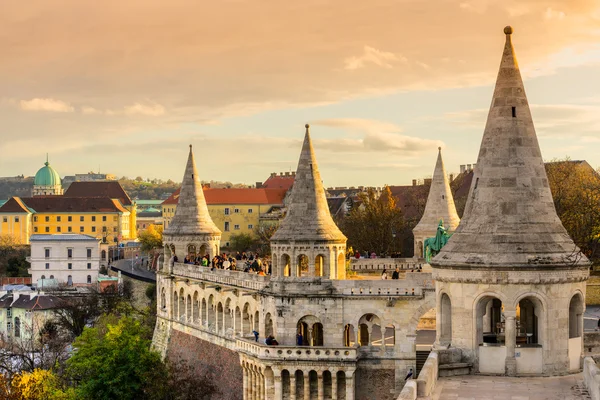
[(249, 262)]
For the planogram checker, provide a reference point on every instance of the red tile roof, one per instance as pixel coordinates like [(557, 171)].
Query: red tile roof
[(110, 189), (48, 204), (237, 196), (279, 182)]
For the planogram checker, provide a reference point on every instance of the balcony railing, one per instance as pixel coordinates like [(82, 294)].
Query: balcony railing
[(225, 277), (296, 353)]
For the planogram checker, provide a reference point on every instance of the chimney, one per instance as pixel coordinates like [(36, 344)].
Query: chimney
[(414, 182), (474, 167), (293, 173), (273, 174), (463, 169), (287, 174), (427, 181), (469, 168), (451, 177), (259, 185)]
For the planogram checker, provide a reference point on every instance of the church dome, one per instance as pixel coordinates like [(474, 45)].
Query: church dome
[(46, 176)]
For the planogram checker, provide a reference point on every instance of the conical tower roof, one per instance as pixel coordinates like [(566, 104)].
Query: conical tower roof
[(191, 216), (509, 219), (440, 203), (308, 216)]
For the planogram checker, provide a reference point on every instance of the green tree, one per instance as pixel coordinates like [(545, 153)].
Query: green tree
[(374, 224), (242, 241), (114, 361)]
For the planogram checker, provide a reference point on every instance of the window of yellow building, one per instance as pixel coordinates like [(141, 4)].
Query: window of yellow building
[(47, 218), (34, 218), (69, 219), (104, 218), (35, 229), (69, 229), (16, 219), (93, 229), (58, 229), (81, 228), (249, 211), (47, 229), (81, 219), (58, 218), (93, 218)]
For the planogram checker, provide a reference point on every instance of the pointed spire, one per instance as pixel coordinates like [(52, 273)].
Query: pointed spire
[(191, 215), (440, 203), (308, 216), (509, 219), (47, 162)]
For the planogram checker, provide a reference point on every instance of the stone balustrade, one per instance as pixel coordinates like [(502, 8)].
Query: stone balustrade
[(225, 277), (379, 264), (296, 353), (591, 377), (389, 287)]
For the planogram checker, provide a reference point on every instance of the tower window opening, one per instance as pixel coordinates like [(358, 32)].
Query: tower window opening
[(514, 112)]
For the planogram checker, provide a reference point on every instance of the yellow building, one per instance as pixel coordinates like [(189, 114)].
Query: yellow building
[(103, 218), (99, 209), (232, 210)]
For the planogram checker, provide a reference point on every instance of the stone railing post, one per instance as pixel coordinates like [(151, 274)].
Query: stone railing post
[(510, 342)]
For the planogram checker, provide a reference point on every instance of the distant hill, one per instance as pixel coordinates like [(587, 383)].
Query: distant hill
[(17, 186)]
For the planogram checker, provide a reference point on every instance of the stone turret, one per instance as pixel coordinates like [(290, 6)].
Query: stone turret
[(510, 275), (440, 205), (308, 242), (191, 231)]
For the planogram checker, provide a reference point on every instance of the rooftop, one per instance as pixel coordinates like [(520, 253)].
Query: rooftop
[(237, 196), (71, 237), (58, 204), (109, 189)]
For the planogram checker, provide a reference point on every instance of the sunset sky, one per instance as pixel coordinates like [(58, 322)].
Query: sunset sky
[(126, 85)]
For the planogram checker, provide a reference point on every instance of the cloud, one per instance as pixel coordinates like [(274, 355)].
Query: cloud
[(86, 110), (51, 105), (145, 109), (377, 136), (551, 14), (372, 56)]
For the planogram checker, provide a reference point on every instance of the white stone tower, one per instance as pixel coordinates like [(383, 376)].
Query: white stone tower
[(510, 283), (308, 243), (191, 230), (440, 205)]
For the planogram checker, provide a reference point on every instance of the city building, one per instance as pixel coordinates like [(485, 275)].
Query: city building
[(89, 177), (233, 210), (47, 181), (507, 291), (147, 217), (104, 218), (23, 313), (70, 259)]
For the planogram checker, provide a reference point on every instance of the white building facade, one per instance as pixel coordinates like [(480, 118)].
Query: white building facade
[(70, 259)]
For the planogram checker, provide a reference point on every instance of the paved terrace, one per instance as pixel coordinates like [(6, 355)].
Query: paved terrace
[(477, 387), (412, 285)]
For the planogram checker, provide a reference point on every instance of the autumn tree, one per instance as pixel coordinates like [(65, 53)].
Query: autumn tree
[(40, 384), (152, 241), (374, 224), (575, 187)]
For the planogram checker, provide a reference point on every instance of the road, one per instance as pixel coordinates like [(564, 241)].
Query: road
[(138, 268)]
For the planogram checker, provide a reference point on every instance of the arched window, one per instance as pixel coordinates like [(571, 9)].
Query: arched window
[(89, 279), (43, 276), (445, 319), (490, 322), (69, 280), (529, 313), (309, 331), (320, 265), (285, 265), (369, 330), (349, 336), (575, 317), (51, 276), (302, 266)]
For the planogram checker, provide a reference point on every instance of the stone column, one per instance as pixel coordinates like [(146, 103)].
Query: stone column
[(334, 385), (306, 385), (259, 386), (292, 385), (320, 389), (370, 330), (278, 390), (310, 340), (510, 341), (349, 385), (246, 383), (252, 385)]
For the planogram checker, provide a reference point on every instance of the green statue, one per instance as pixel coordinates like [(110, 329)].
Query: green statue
[(433, 245)]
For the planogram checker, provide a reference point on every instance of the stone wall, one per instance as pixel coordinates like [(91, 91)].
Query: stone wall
[(375, 380), (591, 378), (409, 392), (215, 362), (428, 376)]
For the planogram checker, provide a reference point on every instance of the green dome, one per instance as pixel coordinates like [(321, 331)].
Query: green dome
[(46, 176)]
